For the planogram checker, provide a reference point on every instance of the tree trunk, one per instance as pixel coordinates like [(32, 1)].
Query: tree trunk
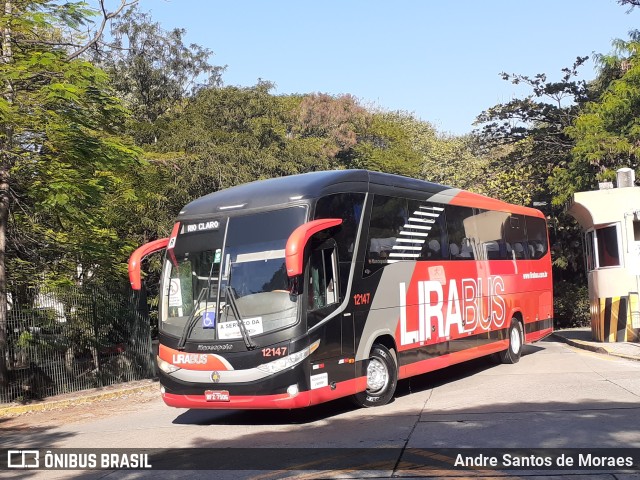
[(4, 218), (5, 163)]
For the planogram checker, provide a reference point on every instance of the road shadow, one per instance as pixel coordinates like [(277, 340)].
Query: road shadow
[(19, 434), (265, 417), (590, 423)]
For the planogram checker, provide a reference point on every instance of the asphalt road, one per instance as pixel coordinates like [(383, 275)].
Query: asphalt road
[(555, 397)]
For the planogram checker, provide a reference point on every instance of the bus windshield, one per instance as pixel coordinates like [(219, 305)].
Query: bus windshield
[(244, 258)]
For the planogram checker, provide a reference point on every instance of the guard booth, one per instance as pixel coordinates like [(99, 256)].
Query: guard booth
[(610, 218)]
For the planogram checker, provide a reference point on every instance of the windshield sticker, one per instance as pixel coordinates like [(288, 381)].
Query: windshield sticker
[(259, 256), (175, 293), (229, 330), (199, 227), (209, 319)]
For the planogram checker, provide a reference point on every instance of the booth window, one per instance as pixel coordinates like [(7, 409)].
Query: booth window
[(589, 249), (636, 230), (608, 249)]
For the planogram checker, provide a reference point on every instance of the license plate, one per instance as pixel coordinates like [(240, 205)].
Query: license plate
[(216, 395)]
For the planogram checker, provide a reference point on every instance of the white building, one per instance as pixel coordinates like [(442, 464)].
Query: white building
[(610, 218)]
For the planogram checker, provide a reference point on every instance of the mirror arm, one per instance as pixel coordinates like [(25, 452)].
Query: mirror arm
[(136, 258), (294, 251)]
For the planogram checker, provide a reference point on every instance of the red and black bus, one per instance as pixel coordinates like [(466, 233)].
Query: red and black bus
[(293, 291)]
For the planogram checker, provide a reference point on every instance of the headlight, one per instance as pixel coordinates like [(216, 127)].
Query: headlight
[(290, 360), (166, 367)]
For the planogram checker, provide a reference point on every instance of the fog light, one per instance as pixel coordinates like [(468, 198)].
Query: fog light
[(292, 390), (162, 390)]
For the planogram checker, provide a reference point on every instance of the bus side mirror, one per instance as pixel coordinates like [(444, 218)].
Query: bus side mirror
[(136, 258), (294, 251)]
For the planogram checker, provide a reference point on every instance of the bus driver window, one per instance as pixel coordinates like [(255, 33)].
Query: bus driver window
[(322, 278)]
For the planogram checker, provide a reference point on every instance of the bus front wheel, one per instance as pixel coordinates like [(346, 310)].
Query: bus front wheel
[(516, 342), (382, 378)]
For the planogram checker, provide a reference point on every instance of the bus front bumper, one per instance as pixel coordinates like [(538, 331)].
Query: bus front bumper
[(290, 400), (237, 402)]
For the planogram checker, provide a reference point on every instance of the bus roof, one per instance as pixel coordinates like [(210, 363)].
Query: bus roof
[(291, 189), (273, 191)]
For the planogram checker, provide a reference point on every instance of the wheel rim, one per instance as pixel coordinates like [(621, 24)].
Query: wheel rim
[(377, 376), (516, 341)]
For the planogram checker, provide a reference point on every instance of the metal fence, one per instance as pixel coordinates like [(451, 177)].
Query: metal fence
[(69, 339)]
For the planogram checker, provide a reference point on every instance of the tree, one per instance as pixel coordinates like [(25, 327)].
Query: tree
[(630, 3), (222, 136), (607, 131), (59, 145), (444, 159), (386, 146), (535, 126), (153, 70), (335, 121), (530, 149)]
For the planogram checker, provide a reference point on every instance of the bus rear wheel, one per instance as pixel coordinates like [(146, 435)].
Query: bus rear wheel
[(516, 341), (382, 378)]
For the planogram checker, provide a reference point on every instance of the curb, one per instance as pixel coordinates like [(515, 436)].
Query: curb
[(78, 398), (592, 348), (580, 344)]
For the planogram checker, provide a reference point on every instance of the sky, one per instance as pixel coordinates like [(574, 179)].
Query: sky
[(439, 60)]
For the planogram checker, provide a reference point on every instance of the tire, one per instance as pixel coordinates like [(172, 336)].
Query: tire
[(516, 341), (382, 378)]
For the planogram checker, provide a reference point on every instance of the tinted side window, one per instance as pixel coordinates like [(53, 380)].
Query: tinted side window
[(322, 279), (388, 217), (461, 228), (490, 226), (347, 206), (516, 238), (537, 237), (426, 231)]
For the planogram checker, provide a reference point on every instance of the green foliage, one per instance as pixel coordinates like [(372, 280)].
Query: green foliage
[(82, 197), (222, 136), (24, 340), (385, 146), (530, 149), (61, 146), (607, 131), (444, 159), (225, 136), (152, 69), (512, 174), (570, 305)]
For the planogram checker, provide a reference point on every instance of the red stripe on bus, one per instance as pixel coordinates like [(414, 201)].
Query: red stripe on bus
[(539, 335), (467, 199), (279, 401), (247, 402), (444, 361)]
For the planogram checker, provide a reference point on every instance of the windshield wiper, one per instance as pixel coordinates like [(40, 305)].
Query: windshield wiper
[(236, 313), (191, 321)]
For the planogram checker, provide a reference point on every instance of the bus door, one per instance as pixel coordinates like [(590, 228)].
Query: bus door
[(334, 356)]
